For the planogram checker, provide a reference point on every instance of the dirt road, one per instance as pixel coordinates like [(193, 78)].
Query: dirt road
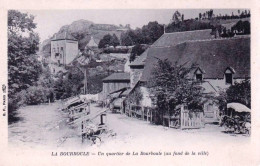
[(46, 126)]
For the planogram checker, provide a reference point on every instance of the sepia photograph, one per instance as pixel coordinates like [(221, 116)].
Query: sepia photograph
[(90, 79)]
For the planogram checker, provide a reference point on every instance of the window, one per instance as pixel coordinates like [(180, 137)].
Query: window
[(229, 75), (199, 74), (61, 49), (58, 50), (53, 50), (199, 77), (228, 78)]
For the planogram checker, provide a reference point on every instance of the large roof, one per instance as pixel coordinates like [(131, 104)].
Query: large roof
[(63, 36), (213, 56), (172, 39), (118, 77)]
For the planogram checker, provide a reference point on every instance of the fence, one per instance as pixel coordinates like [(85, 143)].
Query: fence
[(185, 120), (191, 120)]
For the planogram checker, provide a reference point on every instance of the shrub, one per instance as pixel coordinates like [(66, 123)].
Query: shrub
[(36, 95)]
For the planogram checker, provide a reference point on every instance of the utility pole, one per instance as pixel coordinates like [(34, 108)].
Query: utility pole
[(83, 69), (85, 81)]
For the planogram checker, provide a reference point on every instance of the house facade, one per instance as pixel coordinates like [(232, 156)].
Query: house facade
[(64, 48)]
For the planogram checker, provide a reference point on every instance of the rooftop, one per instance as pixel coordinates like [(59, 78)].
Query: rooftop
[(118, 77), (63, 36), (173, 39), (212, 56)]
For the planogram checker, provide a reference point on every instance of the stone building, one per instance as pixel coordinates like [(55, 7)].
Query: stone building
[(64, 48)]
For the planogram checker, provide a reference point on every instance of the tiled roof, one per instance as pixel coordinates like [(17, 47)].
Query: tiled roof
[(172, 39), (118, 77), (213, 56), (63, 36)]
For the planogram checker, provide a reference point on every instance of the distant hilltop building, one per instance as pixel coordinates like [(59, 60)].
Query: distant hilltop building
[(64, 48)]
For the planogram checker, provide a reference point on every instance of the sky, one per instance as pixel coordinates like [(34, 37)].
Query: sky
[(50, 21)]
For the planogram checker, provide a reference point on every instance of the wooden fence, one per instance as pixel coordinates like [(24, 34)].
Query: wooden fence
[(185, 120), (191, 120), (79, 110)]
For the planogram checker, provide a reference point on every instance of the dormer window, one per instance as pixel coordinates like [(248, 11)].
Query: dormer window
[(199, 77), (199, 74), (229, 75)]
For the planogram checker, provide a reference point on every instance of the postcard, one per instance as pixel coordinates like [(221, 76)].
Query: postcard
[(129, 83)]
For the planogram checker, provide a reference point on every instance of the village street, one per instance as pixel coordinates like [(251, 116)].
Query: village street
[(45, 126)]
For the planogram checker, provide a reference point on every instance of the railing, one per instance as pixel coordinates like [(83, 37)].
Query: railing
[(191, 120), (79, 111)]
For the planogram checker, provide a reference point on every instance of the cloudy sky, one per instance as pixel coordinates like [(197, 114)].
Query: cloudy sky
[(50, 21)]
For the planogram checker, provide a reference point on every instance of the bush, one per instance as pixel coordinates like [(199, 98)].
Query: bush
[(36, 95), (239, 93)]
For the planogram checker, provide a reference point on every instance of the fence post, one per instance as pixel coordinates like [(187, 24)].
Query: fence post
[(142, 112), (151, 116), (169, 120), (147, 114), (82, 131), (182, 117)]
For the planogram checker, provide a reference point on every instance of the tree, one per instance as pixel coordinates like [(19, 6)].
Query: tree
[(114, 41), (200, 15), (126, 39), (210, 13), (171, 87), (108, 40), (155, 30), (176, 17), (246, 26), (69, 84), (136, 51), (242, 27), (147, 35), (188, 25), (105, 41), (23, 66), (239, 93)]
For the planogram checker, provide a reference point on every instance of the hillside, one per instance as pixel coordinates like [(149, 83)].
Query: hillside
[(83, 30)]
